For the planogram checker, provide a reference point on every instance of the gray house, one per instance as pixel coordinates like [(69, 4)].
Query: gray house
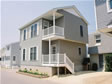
[(10, 55), (103, 9), (55, 42), (99, 46)]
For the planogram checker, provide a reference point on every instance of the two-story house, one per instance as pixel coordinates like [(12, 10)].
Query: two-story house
[(103, 9), (99, 47), (55, 41), (10, 55)]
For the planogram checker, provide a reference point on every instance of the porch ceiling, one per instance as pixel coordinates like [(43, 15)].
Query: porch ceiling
[(49, 15)]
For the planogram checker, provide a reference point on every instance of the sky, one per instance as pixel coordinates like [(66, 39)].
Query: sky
[(15, 14)]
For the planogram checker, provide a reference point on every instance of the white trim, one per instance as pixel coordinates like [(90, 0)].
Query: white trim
[(38, 28), (108, 8), (95, 15), (97, 44), (29, 55), (37, 53)]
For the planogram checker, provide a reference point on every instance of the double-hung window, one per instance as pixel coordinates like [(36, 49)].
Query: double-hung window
[(24, 37), (81, 30), (33, 53), (109, 5), (98, 39), (23, 54), (33, 30)]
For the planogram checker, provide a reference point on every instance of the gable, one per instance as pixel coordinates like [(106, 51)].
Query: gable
[(72, 11)]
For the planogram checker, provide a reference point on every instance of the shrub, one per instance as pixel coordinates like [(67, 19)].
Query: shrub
[(94, 67), (108, 62)]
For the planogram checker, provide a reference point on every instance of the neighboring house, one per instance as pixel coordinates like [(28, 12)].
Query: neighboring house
[(103, 9), (100, 44), (10, 55), (55, 41)]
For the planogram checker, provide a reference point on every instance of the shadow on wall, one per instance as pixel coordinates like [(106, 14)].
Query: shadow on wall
[(93, 50)]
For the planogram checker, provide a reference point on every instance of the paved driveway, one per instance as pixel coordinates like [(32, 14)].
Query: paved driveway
[(8, 76)]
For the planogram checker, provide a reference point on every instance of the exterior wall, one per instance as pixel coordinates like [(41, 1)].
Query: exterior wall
[(7, 55), (71, 50), (15, 51), (72, 27), (102, 14), (32, 42), (94, 58), (105, 46)]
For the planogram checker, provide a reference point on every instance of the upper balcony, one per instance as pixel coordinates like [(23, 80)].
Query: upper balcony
[(53, 32)]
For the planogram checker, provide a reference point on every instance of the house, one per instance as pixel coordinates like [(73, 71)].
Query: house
[(103, 9), (55, 42), (10, 55), (99, 47)]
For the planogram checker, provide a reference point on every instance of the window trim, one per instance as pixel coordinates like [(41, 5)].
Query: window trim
[(97, 44), (25, 54), (79, 50), (108, 6), (81, 31)]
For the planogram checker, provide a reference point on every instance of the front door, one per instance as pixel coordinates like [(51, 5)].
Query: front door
[(54, 55), (101, 61)]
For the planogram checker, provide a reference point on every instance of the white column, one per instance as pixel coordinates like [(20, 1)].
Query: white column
[(49, 51), (53, 21)]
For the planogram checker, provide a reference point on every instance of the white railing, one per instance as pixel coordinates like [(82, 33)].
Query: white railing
[(58, 59), (56, 30), (53, 59)]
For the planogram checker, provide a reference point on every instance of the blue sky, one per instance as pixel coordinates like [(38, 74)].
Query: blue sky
[(15, 14)]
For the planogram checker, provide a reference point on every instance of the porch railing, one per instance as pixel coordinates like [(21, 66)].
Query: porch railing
[(53, 30), (58, 59)]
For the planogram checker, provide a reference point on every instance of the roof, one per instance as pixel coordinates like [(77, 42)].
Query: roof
[(55, 9)]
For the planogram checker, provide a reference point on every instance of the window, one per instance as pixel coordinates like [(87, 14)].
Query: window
[(23, 54), (14, 58), (79, 51), (33, 30), (98, 38), (8, 47), (24, 38), (81, 30), (33, 53), (109, 5)]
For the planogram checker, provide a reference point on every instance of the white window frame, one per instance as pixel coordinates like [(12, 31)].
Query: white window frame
[(97, 44), (37, 53), (108, 6), (25, 54)]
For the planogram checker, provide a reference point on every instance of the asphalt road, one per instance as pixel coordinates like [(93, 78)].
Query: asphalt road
[(11, 77)]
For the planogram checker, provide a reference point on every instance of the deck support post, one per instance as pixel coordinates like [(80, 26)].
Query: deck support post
[(65, 71), (53, 21), (49, 51), (58, 73)]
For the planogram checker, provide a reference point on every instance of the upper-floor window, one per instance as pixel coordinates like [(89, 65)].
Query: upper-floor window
[(109, 5), (8, 47), (24, 37), (24, 54), (33, 53), (33, 30), (14, 58), (81, 30), (80, 51), (98, 39)]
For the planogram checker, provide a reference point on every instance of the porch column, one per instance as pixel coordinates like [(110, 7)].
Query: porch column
[(49, 51), (53, 21)]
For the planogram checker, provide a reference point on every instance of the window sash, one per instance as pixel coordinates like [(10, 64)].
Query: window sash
[(110, 3), (23, 54), (33, 53), (81, 31)]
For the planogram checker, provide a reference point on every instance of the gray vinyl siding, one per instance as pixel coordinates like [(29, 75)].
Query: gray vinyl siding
[(15, 51), (32, 42), (72, 27), (103, 17), (105, 46)]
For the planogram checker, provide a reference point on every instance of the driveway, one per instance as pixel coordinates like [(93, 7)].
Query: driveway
[(11, 77), (8, 76)]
